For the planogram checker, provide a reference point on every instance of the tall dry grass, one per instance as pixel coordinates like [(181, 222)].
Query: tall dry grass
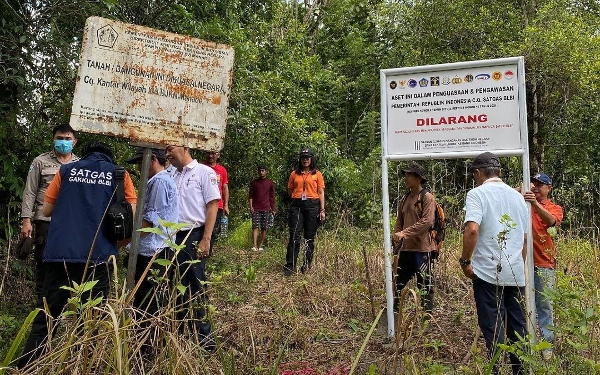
[(322, 322)]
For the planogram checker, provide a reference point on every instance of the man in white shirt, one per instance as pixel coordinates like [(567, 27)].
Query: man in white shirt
[(493, 255), (199, 195)]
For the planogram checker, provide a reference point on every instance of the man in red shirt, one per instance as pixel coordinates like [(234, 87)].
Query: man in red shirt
[(544, 215), (210, 159), (262, 204)]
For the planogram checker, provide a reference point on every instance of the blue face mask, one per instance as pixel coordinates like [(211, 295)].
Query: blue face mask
[(63, 146)]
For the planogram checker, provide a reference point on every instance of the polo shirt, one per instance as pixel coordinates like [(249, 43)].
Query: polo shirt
[(197, 185), (544, 249), (305, 182), (221, 179)]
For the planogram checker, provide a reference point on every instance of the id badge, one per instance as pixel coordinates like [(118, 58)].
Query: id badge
[(303, 195)]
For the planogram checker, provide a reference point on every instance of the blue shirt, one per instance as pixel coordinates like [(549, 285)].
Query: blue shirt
[(161, 202)]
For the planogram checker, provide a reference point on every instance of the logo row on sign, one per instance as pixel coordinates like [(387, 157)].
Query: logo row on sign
[(446, 80)]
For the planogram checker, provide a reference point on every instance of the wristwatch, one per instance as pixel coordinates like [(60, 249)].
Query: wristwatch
[(464, 262)]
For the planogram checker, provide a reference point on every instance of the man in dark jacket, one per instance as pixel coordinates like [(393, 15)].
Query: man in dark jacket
[(77, 249)]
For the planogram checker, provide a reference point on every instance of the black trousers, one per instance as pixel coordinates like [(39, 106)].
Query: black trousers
[(500, 307), (303, 219), (411, 263), (150, 295), (193, 278), (58, 275), (39, 240), (216, 230)]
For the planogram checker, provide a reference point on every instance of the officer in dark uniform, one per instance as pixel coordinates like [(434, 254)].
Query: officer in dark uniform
[(76, 250)]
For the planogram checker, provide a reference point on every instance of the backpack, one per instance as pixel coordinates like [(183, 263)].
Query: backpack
[(438, 229), (118, 222)]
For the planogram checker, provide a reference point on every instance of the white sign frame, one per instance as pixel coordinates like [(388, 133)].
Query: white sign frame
[(510, 147)]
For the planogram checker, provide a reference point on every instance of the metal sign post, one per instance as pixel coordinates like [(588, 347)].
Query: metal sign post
[(137, 220)]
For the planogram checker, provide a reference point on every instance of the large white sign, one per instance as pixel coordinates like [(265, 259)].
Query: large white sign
[(456, 110), (151, 86), (452, 108)]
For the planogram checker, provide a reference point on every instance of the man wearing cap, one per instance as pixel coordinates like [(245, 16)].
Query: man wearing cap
[(210, 159), (162, 203), (262, 204), (545, 214), (493, 255), (198, 204), (412, 239), (41, 172)]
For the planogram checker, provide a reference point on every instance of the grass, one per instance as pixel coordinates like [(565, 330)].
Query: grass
[(321, 322)]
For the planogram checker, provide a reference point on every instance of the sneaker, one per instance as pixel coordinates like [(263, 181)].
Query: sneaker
[(253, 248), (547, 354), (260, 249), (287, 271), (209, 346)]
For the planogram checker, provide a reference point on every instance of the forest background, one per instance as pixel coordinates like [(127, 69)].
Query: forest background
[(307, 74)]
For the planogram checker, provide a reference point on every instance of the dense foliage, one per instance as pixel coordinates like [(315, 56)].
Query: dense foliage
[(307, 73)]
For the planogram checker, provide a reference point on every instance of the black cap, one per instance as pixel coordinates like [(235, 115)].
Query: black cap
[(306, 152), (416, 169), (485, 160), (24, 248), (139, 154)]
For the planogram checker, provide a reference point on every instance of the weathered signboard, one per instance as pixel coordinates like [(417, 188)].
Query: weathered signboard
[(152, 87)]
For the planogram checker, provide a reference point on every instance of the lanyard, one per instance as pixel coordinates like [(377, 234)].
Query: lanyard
[(304, 180)]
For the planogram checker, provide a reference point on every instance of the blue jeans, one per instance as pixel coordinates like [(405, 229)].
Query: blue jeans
[(544, 281), (498, 306)]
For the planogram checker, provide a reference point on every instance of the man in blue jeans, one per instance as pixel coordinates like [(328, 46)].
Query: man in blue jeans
[(545, 214), (494, 249)]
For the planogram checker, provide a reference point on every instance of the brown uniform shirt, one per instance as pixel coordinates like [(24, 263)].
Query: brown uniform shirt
[(415, 224), (41, 172)]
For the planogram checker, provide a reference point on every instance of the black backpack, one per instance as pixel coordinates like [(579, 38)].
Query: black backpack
[(118, 222)]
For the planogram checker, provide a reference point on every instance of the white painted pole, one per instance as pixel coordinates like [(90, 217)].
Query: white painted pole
[(385, 197)]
